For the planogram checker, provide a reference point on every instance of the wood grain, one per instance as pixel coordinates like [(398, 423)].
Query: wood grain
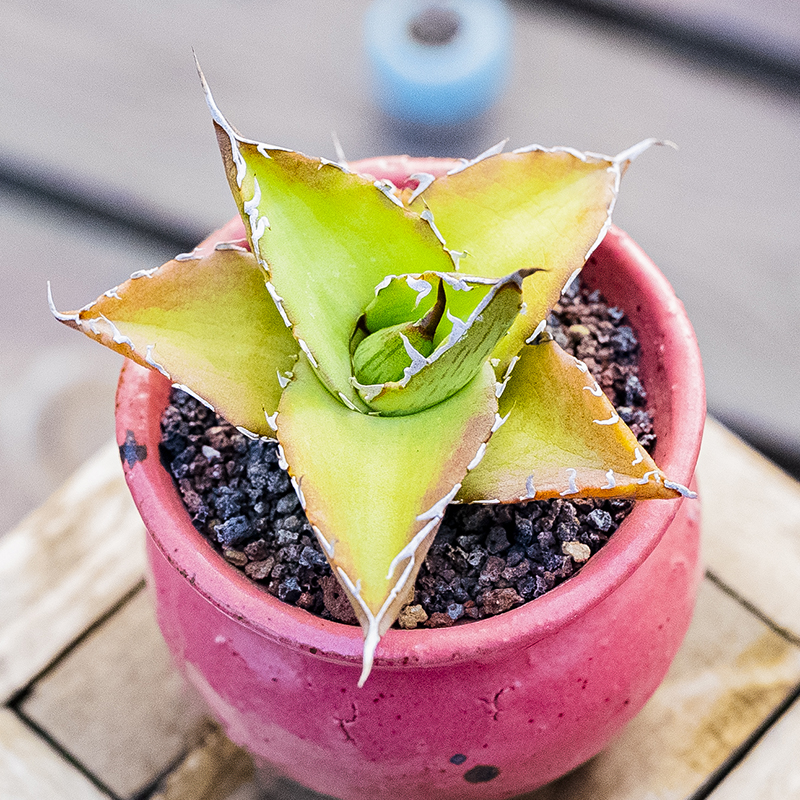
[(751, 526), (65, 566), (31, 770), (116, 703), (769, 771)]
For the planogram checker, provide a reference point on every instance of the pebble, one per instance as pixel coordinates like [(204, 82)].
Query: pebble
[(578, 551), (411, 616)]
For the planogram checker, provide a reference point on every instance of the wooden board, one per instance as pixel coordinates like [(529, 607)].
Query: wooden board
[(730, 673), (93, 704), (65, 566), (769, 772), (31, 770), (751, 526)]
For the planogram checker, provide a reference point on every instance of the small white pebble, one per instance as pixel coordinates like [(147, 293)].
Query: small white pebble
[(210, 453), (580, 552)]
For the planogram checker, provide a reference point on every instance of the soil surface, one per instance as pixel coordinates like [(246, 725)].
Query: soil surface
[(484, 560)]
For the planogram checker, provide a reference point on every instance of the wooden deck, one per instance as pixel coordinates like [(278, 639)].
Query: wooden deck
[(92, 708)]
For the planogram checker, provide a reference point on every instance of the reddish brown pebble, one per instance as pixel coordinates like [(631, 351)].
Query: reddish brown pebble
[(439, 620), (336, 602), (499, 600), (306, 601), (259, 570)]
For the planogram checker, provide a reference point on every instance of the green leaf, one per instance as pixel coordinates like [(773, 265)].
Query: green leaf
[(327, 237), (375, 488), (534, 207), (562, 438), (381, 356), (464, 343), (208, 324)]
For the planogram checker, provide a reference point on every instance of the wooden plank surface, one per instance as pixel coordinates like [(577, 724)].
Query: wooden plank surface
[(65, 566), (31, 770), (769, 771), (214, 769), (116, 703), (751, 526), (719, 217)]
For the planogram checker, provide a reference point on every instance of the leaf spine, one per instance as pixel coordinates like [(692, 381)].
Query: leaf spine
[(191, 393), (347, 401), (536, 331), (465, 163), (613, 419), (387, 189), (424, 180), (680, 488), (144, 273), (76, 317), (572, 488), (305, 348), (148, 357), (194, 255), (646, 477)]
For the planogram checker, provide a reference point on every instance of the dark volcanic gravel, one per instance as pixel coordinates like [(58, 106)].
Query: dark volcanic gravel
[(484, 560)]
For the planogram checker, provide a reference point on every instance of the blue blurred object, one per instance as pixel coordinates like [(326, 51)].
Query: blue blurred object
[(437, 63)]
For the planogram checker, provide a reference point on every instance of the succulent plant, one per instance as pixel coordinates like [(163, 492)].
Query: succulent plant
[(393, 341)]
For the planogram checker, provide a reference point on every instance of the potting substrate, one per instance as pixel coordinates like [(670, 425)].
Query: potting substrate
[(485, 559)]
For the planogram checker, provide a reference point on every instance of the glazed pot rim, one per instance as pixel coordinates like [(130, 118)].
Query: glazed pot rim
[(668, 345)]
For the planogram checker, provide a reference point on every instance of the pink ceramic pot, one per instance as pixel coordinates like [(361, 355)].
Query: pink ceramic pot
[(488, 709)]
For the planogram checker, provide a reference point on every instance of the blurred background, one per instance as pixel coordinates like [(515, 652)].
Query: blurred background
[(108, 164)]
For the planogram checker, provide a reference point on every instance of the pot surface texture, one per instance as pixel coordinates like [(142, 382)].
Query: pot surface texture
[(489, 709)]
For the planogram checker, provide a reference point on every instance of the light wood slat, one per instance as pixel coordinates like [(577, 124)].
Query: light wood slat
[(214, 770), (31, 770), (731, 672), (116, 703), (65, 566), (770, 771), (751, 526)]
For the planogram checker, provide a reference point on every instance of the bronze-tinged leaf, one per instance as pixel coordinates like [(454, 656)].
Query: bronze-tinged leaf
[(375, 488), (208, 324), (562, 438), (546, 208)]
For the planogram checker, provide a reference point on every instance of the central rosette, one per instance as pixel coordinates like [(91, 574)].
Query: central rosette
[(425, 336)]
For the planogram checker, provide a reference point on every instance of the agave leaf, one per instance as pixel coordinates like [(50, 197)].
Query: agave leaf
[(534, 207), (562, 438), (326, 237), (206, 323), (375, 488), (468, 341)]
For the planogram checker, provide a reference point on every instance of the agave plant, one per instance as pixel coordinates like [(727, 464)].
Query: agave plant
[(393, 341)]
